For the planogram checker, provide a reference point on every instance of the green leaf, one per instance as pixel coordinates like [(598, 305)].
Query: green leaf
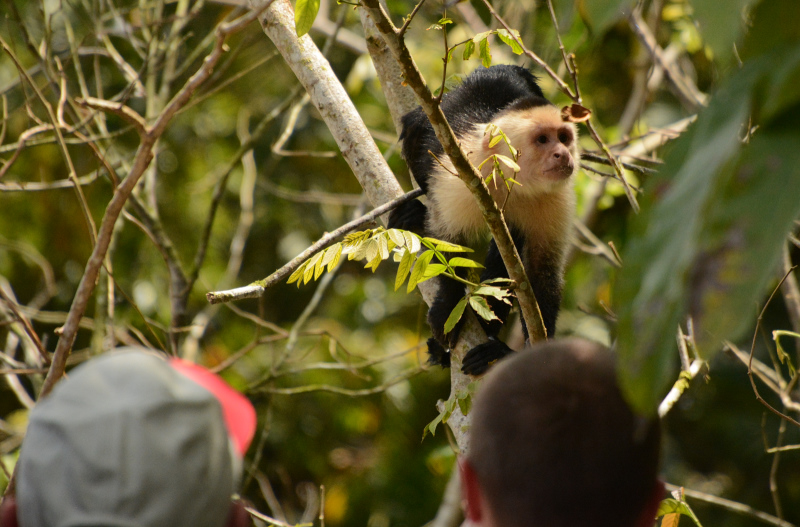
[(477, 39), (784, 357), (469, 49), (412, 241), (304, 14), (711, 231), (464, 262), (600, 16), (496, 292), (485, 53), (319, 267), (371, 249), (496, 139), (335, 261), (444, 21), (455, 315), (312, 263), (397, 237), (444, 246), (383, 246), (374, 263), (464, 402), (720, 28), (499, 281), (431, 427), (481, 308), (297, 274), (419, 268), (404, 268), (672, 506), (506, 37), (507, 161), (432, 270)]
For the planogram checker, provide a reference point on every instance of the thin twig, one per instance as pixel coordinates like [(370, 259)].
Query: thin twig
[(733, 506), (256, 289)]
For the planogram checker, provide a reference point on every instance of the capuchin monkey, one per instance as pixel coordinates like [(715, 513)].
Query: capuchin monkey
[(538, 211)]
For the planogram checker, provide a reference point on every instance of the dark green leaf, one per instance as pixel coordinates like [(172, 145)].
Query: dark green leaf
[(455, 315), (711, 230), (602, 15)]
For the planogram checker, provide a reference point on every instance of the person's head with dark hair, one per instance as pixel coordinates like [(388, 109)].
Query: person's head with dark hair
[(554, 444), (130, 438)]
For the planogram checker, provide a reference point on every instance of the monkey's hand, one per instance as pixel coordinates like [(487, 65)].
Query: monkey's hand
[(409, 216), (437, 355), (478, 359)]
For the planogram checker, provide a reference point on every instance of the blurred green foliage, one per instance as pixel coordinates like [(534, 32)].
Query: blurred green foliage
[(366, 448)]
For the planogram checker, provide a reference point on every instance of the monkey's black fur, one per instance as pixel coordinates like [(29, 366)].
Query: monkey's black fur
[(478, 100)]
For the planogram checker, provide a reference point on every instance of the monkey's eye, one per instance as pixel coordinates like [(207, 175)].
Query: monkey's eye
[(564, 138), (542, 139)]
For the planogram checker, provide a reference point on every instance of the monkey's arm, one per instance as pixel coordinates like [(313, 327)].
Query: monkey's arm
[(409, 216)]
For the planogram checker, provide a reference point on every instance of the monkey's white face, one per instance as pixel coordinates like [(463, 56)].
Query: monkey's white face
[(547, 146)]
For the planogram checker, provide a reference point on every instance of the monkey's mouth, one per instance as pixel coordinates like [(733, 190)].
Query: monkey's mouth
[(560, 171)]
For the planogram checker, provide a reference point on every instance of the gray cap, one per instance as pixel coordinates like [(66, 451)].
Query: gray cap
[(126, 441)]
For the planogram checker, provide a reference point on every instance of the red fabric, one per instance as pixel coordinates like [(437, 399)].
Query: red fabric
[(238, 412)]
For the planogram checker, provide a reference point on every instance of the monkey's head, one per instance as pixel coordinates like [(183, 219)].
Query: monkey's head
[(548, 145)]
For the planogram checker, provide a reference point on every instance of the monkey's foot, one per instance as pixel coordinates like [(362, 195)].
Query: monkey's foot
[(478, 359), (437, 355)]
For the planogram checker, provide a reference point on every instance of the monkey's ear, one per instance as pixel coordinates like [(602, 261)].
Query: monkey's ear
[(575, 114)]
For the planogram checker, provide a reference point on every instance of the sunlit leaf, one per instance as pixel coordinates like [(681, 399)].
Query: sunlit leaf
[(404, 268), (297, 274), (464, 262), (510, 163), (506, 37), (319, 266), (372, 249), (469, 49), (312, 263), (397, 237), (485, 53), (447, 247), (432, 270), (305, 12), (419, 268), (412, 241), (383, 246)]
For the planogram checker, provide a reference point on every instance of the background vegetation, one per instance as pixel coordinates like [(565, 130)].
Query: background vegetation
[(245, 175)]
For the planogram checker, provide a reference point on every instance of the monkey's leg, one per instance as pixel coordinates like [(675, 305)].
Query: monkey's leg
[(478, 359), (449, 292)]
